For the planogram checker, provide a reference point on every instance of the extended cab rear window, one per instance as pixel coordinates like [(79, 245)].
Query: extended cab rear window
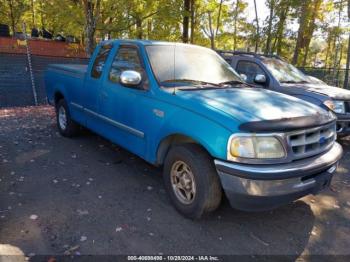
[(97, 67)]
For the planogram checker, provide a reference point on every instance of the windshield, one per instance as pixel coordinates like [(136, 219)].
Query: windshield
[(284, 72), (174, 65)]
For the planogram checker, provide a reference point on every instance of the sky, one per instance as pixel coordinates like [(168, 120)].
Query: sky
[(263, 11)]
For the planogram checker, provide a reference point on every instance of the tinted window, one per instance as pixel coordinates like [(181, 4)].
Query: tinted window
[(100, 61), (250, 69), (127, 58)]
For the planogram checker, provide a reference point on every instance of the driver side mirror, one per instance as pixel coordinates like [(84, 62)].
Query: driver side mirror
[(244, 77), (130, 78), (260, 79)]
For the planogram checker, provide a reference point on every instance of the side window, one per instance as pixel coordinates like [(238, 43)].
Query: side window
[(250, 69), (97, 67), (127, 58)]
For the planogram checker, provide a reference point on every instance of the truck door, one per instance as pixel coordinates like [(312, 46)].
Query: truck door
[(121, 106), (92, 85), (251, 70)]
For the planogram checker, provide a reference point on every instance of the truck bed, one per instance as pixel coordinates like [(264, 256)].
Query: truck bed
[(68, 78), (72, 68)]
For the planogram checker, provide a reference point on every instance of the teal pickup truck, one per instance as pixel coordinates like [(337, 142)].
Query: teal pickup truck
[(184, 108)]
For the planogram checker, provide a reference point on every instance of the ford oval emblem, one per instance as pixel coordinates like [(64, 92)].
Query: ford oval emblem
[(322, 140)]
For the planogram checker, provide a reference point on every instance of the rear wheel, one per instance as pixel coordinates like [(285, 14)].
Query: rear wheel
[(191, 180), (66, 125)]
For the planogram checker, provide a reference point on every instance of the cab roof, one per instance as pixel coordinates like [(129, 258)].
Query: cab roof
[(141, 42)]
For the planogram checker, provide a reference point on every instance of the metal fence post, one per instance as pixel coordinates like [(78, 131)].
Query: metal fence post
[(30, 66)]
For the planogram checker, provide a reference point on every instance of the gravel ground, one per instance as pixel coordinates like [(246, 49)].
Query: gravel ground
[(86, 196)]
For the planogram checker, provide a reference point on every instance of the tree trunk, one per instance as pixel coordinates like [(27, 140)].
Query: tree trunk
[(139, 30), (347, 68), (92, 12), (301, 30), (337, 43), (235, 17), (218, 20), (12, 17), (329, 44), (346, 80), (186, 20), (306, 54), (211, 37), (257, 28), (42, 21), (193, 23), (149, 28), (277, 46), (310, 29), (33, 13), (269, 36)]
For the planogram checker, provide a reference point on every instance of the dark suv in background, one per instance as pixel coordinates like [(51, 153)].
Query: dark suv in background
[(272, 72)]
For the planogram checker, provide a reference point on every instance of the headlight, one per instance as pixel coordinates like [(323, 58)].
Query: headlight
[(257, 147), (335, 106), (339, 107)]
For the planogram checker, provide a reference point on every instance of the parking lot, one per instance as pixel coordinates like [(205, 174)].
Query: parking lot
[(87, 196)]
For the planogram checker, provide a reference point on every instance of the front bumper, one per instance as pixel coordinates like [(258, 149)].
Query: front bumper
[(263, 187)]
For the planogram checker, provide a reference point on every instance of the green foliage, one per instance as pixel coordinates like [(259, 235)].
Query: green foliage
[(11, 12), (222, 24)]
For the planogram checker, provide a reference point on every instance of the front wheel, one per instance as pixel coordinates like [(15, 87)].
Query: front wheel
[(191, 180), (66, 125)]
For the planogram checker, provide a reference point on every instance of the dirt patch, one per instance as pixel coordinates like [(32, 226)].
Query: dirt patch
[(88, 196)]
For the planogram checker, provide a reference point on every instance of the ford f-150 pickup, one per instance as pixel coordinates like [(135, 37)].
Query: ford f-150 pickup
[(184, 108)]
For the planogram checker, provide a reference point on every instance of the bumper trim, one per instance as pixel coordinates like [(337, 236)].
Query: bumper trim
[(309, 166)]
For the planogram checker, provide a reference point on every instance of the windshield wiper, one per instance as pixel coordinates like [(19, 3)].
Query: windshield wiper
[(231, 82), (198, 82), (295, 82)]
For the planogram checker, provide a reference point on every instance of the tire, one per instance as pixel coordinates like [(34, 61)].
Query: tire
[(67, 127), (207, 190)]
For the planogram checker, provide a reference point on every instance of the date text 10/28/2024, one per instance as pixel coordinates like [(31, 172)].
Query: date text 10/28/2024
[(173, 258)]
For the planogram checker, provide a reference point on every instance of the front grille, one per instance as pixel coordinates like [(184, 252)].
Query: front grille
[(310, 142)]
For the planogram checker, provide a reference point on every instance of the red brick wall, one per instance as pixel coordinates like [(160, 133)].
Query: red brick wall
[(41, 47)]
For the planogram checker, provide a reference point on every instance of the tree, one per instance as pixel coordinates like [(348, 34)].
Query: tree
[(271, 5), (193, 18), (11, 12), (211, 27), (346, 80), (92, 13), (238, 21), (282, 11), (257, 27), (186, 20), (235, 22), (302, 26), (310, 29), (309, 12)]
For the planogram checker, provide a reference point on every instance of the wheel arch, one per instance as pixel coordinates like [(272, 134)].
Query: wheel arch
[(171, 140), (58, 96)]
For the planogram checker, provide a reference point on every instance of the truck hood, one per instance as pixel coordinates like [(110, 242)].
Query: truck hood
[(248, 104), (330, 91)]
